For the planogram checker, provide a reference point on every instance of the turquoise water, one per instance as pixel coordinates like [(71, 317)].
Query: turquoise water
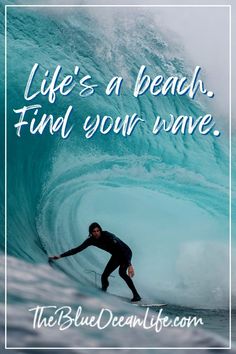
[(165, 195)]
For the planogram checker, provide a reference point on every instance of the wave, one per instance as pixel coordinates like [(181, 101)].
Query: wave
[(166, 196)]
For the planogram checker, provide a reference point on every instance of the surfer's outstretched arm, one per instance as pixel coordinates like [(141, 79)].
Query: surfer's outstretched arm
[(85, 244)]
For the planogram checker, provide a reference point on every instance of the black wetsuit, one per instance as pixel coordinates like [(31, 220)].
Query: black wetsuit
[(121, 257)]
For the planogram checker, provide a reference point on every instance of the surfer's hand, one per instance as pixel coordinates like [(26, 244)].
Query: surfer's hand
[(54, 257), (131, 271)]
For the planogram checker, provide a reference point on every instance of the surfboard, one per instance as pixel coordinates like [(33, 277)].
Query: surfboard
[(141, 303), (146, 304)]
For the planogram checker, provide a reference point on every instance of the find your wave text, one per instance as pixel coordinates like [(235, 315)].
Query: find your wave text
[(34, 120)]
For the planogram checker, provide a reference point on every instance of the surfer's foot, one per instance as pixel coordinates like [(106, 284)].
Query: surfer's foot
[(104, 289), (136, 298)]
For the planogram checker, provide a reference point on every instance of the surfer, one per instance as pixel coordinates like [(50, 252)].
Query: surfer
[(121, 256)]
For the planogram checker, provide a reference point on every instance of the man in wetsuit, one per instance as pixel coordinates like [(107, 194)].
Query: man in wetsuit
[(121, 256)]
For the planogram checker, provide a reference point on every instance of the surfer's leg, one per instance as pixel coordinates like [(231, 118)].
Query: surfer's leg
[(129, 281), (110, 267)]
